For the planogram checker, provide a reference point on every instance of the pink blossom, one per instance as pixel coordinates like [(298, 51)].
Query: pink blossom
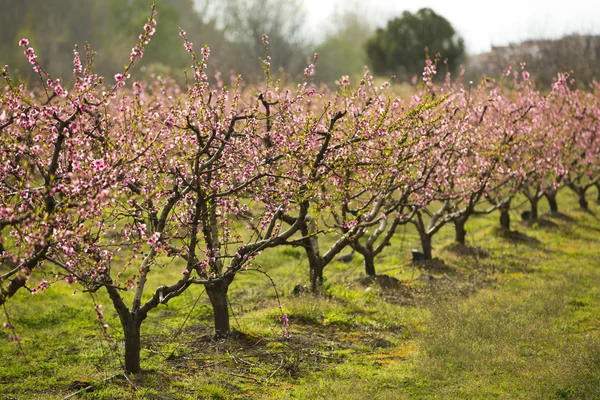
[(41, 287), (150, 30), (23, 42), (344, 81), (76, 62), (30, 54), (310, 70), (154, 238), (205, 53)]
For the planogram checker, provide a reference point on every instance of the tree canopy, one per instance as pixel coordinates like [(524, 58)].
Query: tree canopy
[(402, 47)]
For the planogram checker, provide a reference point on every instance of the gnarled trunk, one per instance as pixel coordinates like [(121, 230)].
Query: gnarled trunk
[(217, 294)]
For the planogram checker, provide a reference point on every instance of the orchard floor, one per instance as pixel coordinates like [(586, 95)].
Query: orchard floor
[(511, 316)]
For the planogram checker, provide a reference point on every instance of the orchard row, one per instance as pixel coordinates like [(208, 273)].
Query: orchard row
[(215, 175)]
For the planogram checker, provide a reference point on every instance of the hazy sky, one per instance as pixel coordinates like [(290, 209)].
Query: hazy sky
[(481, 23)]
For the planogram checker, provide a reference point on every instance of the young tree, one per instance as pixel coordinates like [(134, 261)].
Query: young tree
[(582, 144), (53, 176)]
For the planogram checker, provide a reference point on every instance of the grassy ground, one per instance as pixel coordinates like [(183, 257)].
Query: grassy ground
[(512, 316)]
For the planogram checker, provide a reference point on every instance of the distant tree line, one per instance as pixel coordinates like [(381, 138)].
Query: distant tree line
[(579, 54), (233, 29)]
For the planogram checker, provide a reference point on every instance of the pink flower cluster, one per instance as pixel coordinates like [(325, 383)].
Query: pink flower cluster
[(43, 285)]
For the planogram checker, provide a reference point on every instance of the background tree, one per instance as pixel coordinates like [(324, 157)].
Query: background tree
[(342, 52), (545, 58), (111, 28), (401, 48), (245, 21)]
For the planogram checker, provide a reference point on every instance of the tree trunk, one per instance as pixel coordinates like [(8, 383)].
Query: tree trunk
[(315, 261), (316, 274), (131, 329), (217, 293), (460, 231), (598, 189), (505, 216), (131, 322), (369, 263), (426, 245), (551, 196), (533, 202), (583, 203)]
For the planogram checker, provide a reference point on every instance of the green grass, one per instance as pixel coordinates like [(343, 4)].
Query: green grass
[(511, 316)]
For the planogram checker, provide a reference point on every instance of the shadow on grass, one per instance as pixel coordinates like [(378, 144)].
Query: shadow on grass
[(540, 223), (463, 250), (560, 216), (393, 290), (436, 266), (517, 237)]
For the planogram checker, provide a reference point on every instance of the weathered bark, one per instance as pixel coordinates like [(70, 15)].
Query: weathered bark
[(460, 230), (505, 216), (551, 197), (217, 294)]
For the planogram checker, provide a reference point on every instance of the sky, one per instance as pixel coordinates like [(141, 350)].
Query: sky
[(481, 23)]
